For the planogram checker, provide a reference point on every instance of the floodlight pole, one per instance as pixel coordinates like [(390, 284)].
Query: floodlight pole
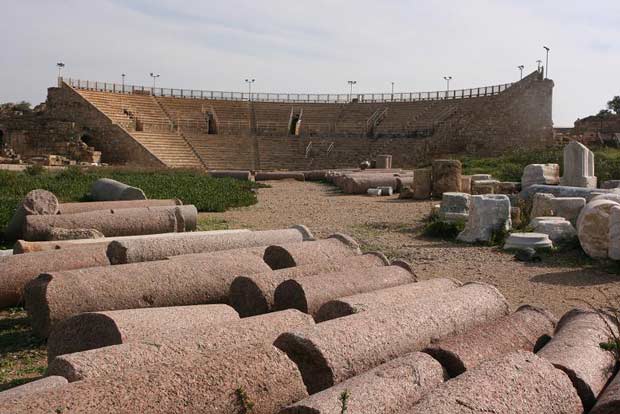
[(351, 83), (447, 79), (123, 82), (547, 63), (154, 76), (250, 82), (520, 67)]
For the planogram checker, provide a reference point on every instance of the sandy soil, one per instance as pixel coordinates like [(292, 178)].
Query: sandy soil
[(394, 226)]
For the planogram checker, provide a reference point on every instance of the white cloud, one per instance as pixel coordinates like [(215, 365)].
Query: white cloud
[(315, 46)]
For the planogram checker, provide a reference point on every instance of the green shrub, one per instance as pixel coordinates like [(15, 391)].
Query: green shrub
[(72, 184), (443, 230), (35, 169)]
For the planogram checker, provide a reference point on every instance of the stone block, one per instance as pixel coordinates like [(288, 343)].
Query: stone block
[(593, 227), (524, 240), (484, 187), (515, 216), (466, 184), (481, 177), (384, 161), (422, 183), (578, 166), (541, 205), (559, 231), (568, 207), (609, 184), (454, 206), (508, 187), (563, 191), (446, 176), (487, 214), (548, 174)]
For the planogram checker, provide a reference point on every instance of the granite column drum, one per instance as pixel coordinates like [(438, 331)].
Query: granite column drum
[(123, 222), (91, 330), (113, 360), (527, 329), (384, 298), (308, 294), (219, 382), (106, 189), (575, 349), (144, 250), (446, 177), (202, 279), (254, 294), (593, 227), (36, 202), (73, 208), (336, 246), (336, 350), (391, 388), (517, 383), (17, 270), (609, 401), (40, 385)]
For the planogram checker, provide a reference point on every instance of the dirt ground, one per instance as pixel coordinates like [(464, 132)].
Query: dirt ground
[(559, 282)]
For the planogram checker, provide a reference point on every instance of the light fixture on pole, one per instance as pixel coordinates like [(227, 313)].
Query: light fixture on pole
[(392, 90), (123, 81), (60, 65), (351, 83), (154, 76), (539, 62), (547, 63), (250, 82), (520, 67), (447, 79)]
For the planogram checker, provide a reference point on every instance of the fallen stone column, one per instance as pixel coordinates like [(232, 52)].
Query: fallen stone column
[(359, 184), (403, 182), (236, 174), (144, 250), (334, 247), (55, 296), (390, 388), (279, 175), (254, 294), (519, 382), (43, 384), (23, 246), (575, 349), (59, 234), (36, 202), (115, 359), (17, 270), (225, 382), (106, 189), (124, 222), (384, 298), (98, 329), (609, 401), (309, 293), (528, 329), (562, 191), (73, 208), (336, 350), (593, 227)]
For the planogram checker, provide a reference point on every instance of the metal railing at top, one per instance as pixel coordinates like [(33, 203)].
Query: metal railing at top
[(286, 97)]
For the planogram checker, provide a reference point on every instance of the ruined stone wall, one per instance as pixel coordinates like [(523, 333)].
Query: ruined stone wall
[(115, 144), (593, 124)]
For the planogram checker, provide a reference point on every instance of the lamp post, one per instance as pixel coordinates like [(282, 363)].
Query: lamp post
[(539, 62), (123, 82), (392, 90), (250, 82), (60, 65), (351, 83), (154, 76), (447, 79), (520, 67), (547, 63)]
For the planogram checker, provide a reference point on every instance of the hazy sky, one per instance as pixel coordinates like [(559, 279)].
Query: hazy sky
[(314, 46)]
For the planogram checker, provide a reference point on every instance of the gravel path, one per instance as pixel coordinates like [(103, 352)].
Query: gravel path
[(393, 226)]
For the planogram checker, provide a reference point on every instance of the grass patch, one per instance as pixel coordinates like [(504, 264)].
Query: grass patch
[(72, 184), (509, 167), (211, 223), (24, 355)]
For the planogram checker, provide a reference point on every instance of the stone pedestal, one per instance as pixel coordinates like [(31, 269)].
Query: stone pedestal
[(540, 174), (525, 240), (446, 176), (578, 166), (422, 184), (454, 207), (487, 214)]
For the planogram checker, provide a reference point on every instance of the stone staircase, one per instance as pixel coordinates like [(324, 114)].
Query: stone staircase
[(169, 147)]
